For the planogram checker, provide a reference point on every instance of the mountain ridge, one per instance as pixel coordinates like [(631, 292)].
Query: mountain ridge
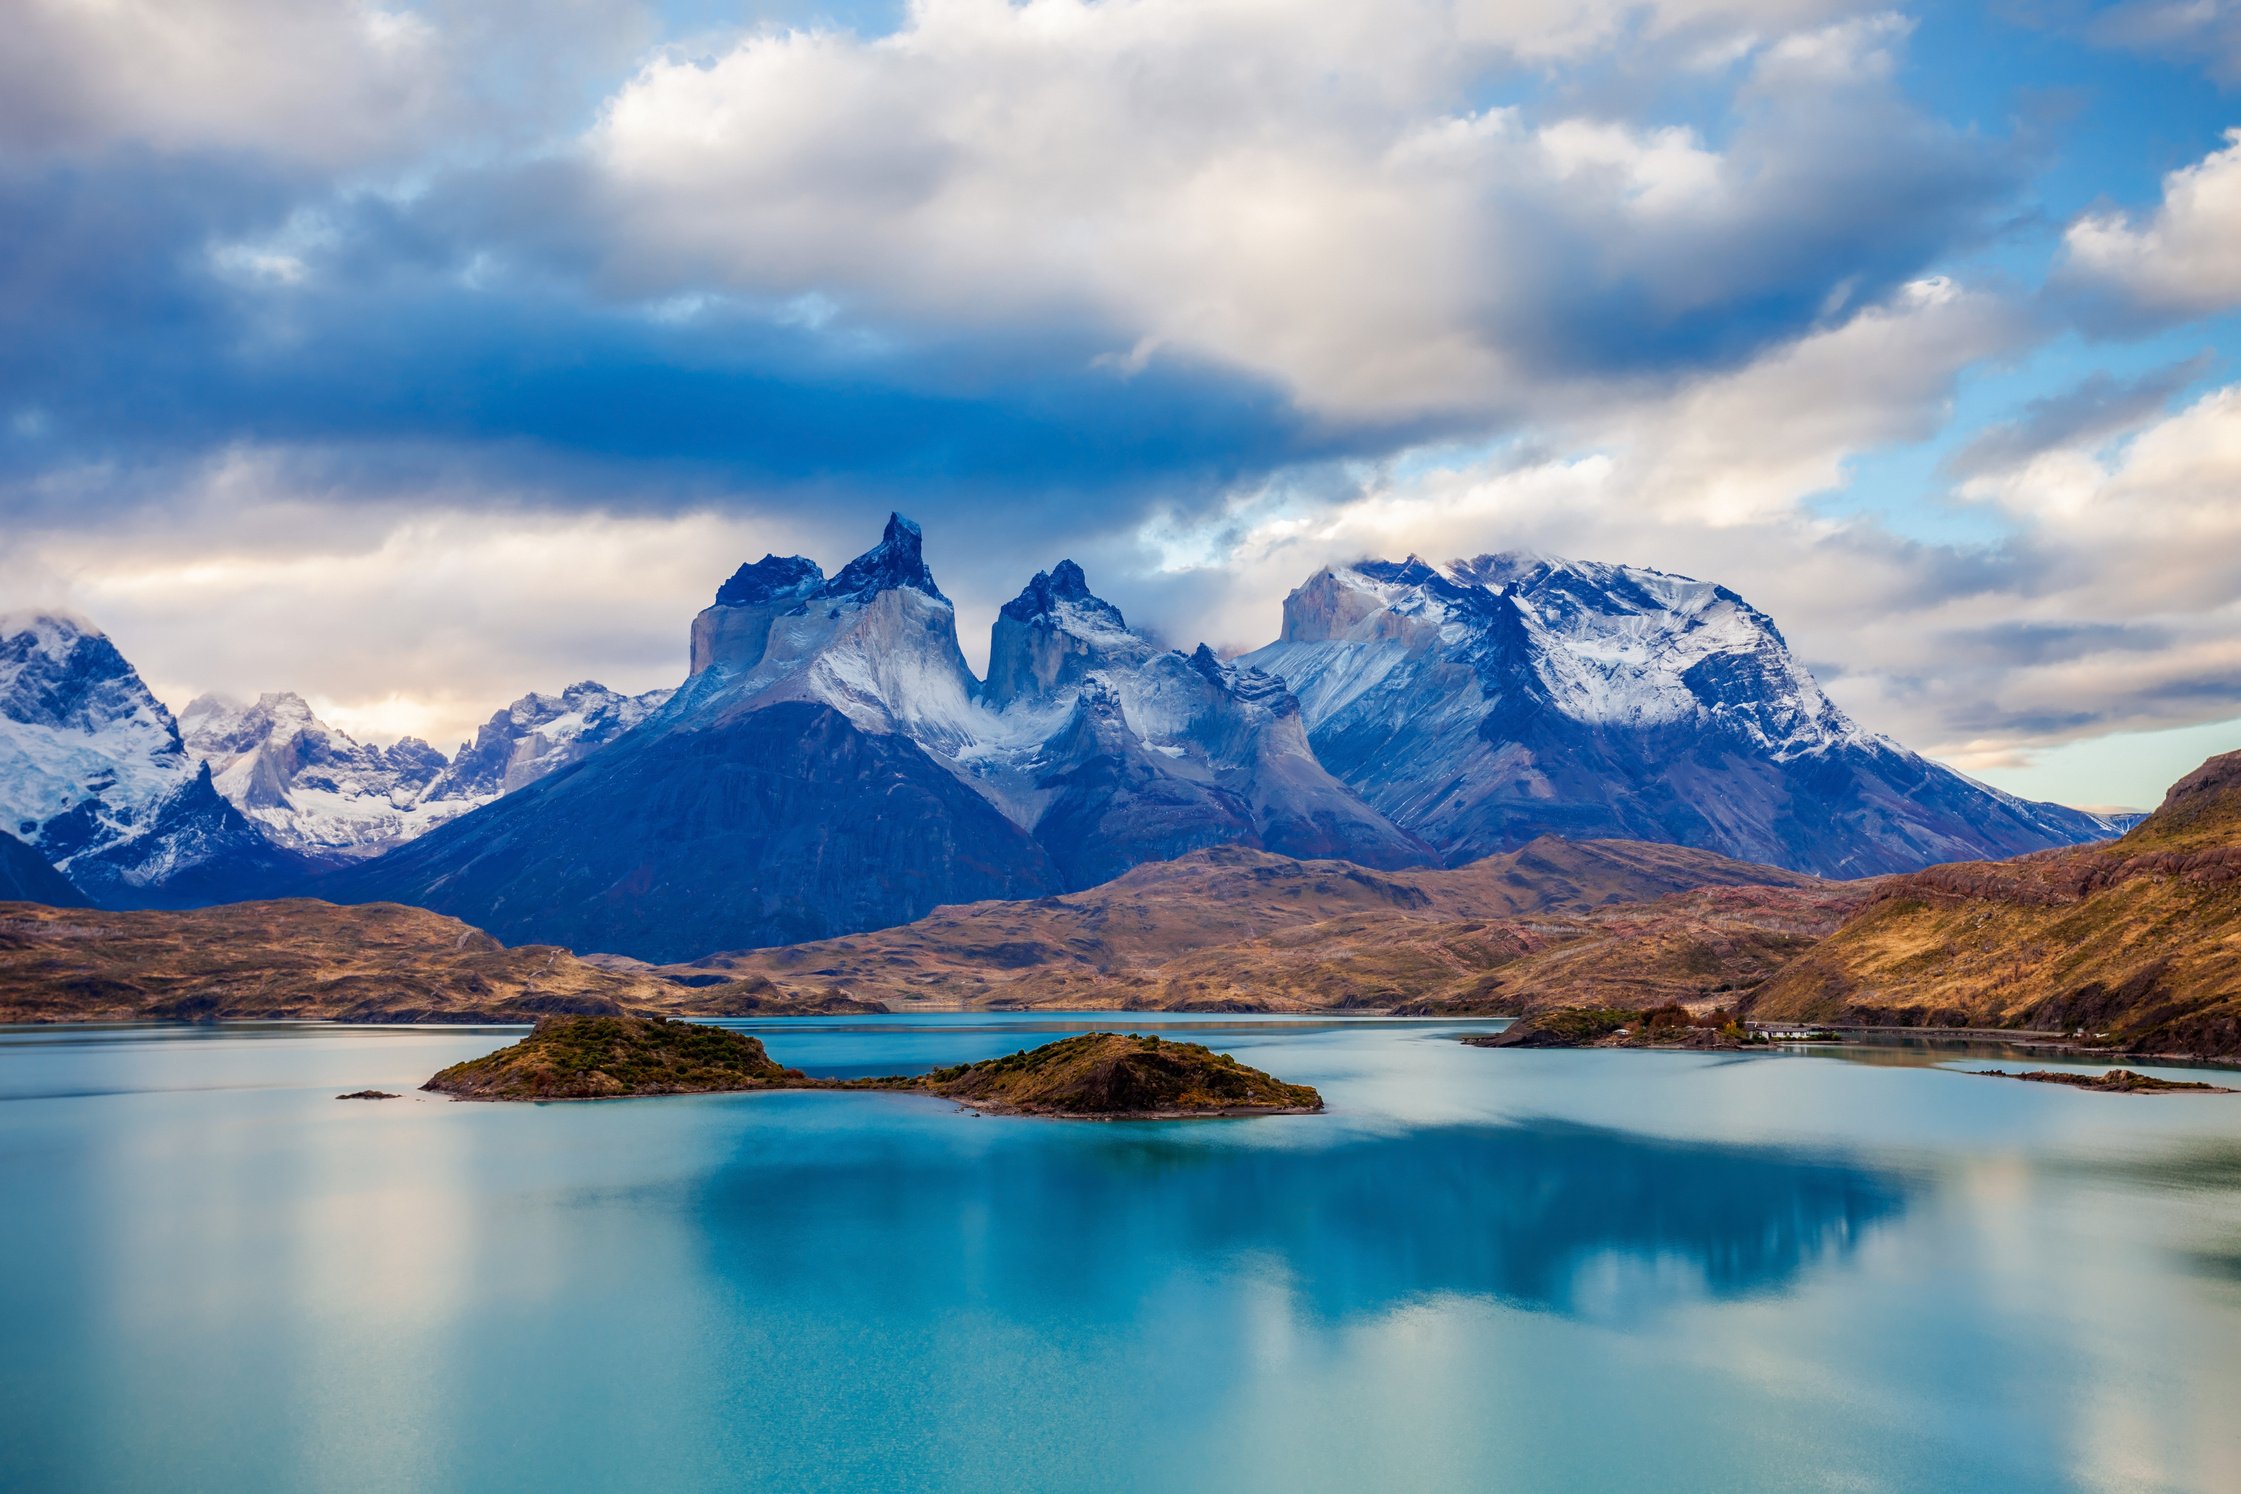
[(859, 774), (1523, 694)]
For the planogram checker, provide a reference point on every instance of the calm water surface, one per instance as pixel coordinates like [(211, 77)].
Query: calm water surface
[(1480, 1270)]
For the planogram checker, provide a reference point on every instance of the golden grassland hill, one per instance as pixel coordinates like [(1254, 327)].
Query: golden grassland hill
[(1239, 930), (2135, 945), (299, 958), (1106, 1075)]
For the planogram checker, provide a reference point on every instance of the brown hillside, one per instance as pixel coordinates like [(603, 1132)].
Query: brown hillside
[(2136, 943), (298, 958), (1234, 929)]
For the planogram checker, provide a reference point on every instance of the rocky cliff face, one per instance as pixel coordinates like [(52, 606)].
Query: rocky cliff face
[(95, 778), (1517, 695), (833, 765)]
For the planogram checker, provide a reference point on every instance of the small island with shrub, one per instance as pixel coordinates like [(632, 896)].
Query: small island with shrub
[(1097, 1075)]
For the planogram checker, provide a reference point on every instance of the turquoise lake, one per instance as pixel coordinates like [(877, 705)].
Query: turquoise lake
[(1851, 1269)]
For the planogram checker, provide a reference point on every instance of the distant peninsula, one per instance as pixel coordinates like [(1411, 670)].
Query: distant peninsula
[(2114, 1082), (1098, 1075), (1671, 1026)]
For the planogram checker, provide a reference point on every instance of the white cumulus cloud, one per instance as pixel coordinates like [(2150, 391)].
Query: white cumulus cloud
[(1306, 192), (2181, 260)]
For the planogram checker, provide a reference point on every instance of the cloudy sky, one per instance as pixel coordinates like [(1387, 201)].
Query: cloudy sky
[(413, 356)]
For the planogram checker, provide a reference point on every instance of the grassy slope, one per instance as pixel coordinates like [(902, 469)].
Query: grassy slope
[(2138, 940)]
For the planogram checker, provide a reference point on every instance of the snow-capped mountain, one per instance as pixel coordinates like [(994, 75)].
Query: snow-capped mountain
[(318, 791), (536, 735), (1515, 695), (1115, 751), (1109, 749), (95, 778), (307, 786), (832, 764)]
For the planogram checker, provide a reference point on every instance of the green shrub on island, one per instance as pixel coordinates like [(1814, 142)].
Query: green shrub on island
[(590, 1058)]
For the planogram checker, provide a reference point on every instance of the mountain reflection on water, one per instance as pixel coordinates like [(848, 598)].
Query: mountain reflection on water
[(1479, 1270), (1547, 1216)]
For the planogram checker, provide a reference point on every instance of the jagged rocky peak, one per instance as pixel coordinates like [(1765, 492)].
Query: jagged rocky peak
[(1053, 634), (877, 642), (283, 726), (1243, 681), (773, 578), (896, 561), (538, 734), (1517, 694), (214, 723), (734, 634), (1594, 642), (309, 786)]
